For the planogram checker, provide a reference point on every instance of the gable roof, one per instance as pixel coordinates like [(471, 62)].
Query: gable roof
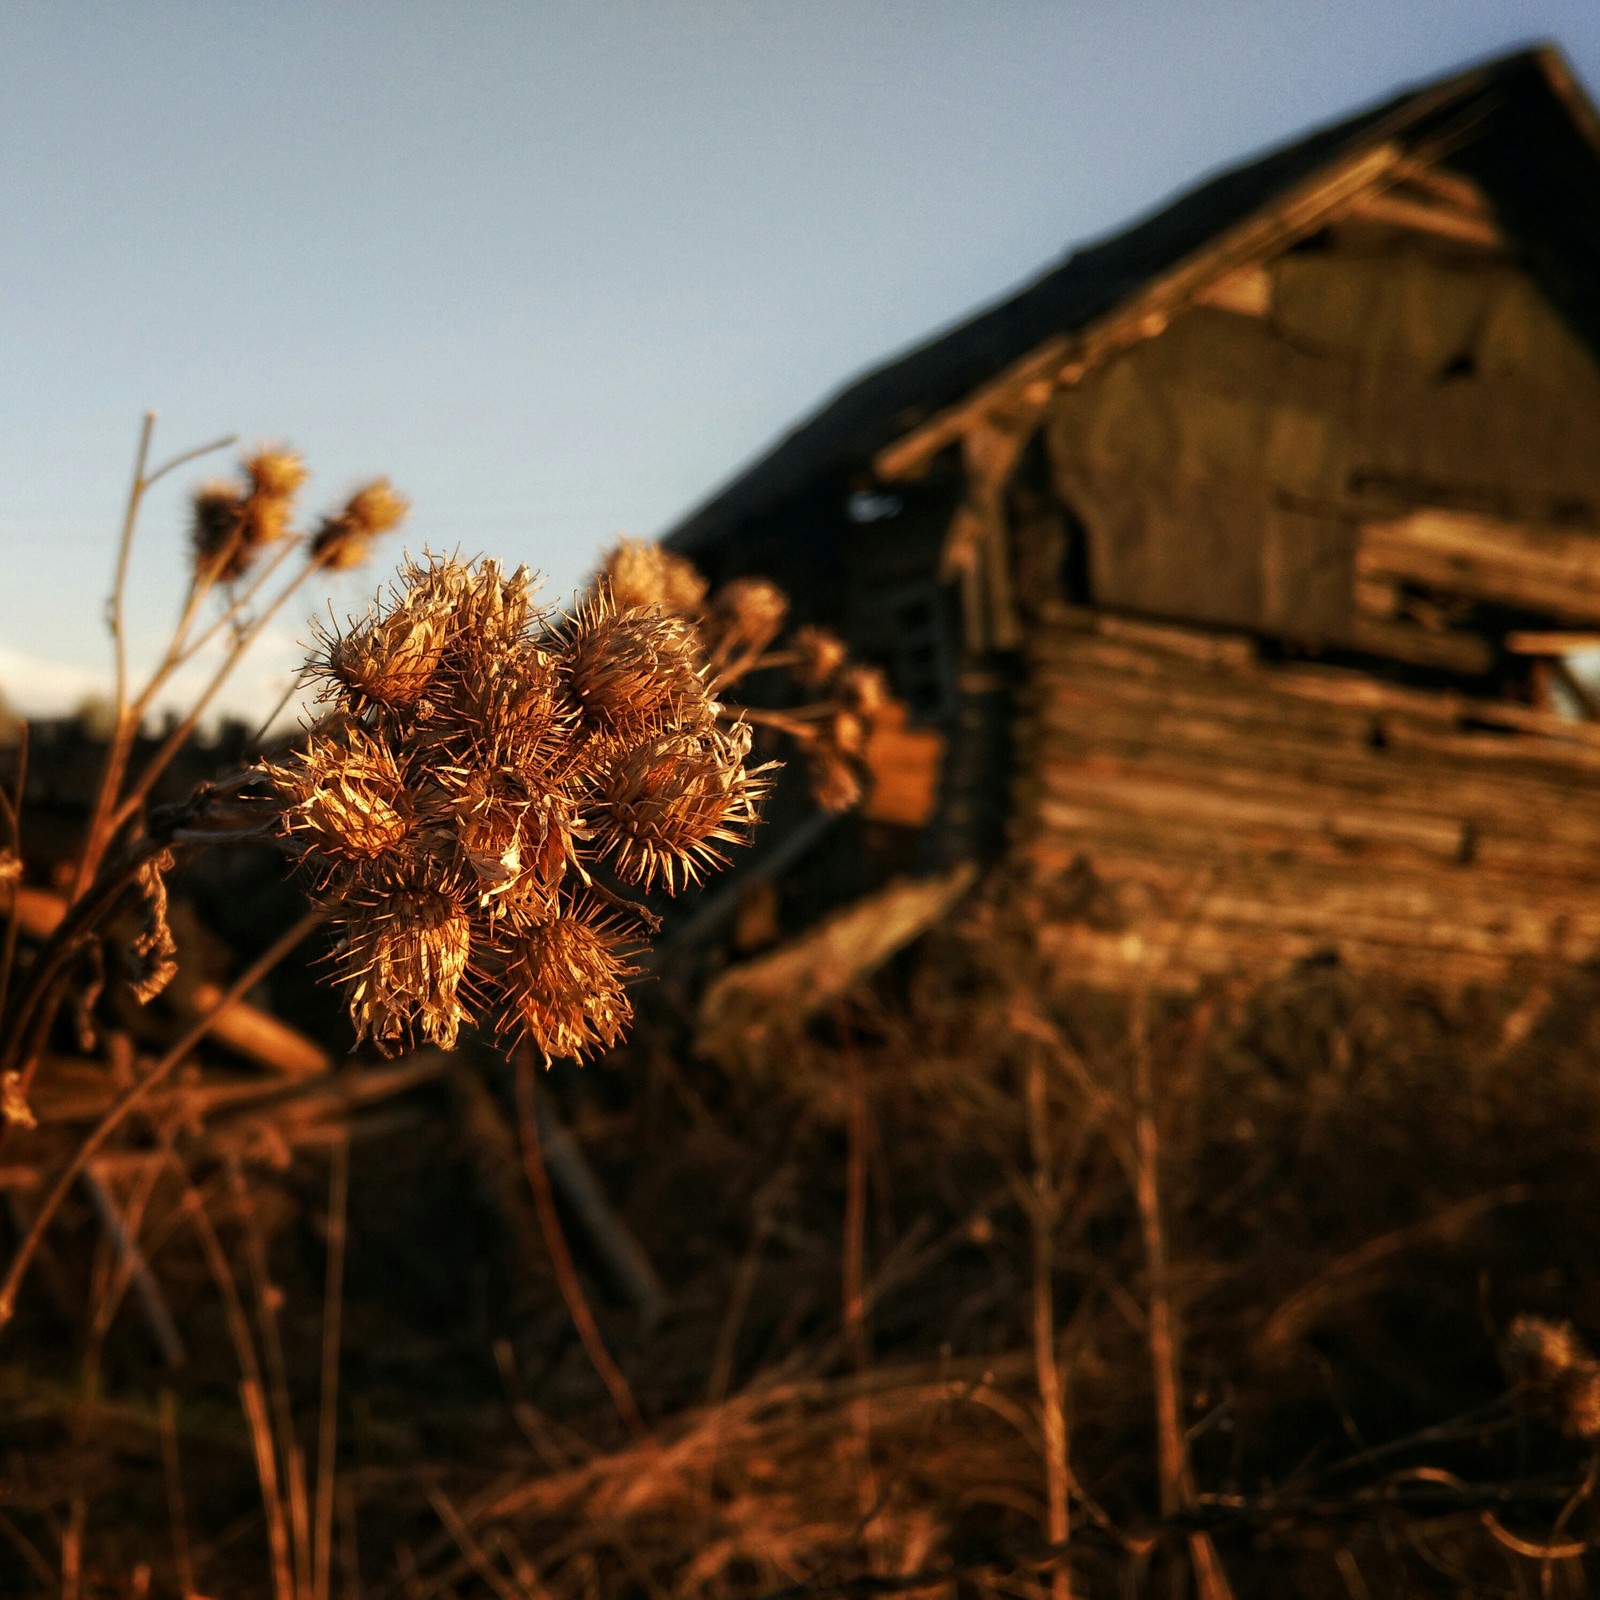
[(1517, 125)]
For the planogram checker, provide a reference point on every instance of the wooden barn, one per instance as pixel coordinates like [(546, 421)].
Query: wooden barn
[(1235, 561)]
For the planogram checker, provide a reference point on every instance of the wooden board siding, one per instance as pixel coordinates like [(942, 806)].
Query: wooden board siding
[(1235, 469), (1225, 816)]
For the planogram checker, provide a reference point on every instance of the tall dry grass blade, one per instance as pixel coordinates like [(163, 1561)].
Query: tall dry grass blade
[(328, 1409), (251, 1391), (255, 1414), (561, 1257), (281, 1404), (1044, 1213), (1176, 1487), (177, 1512)]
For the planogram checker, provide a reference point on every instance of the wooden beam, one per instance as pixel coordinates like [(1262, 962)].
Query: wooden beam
[(1029, 383), (1555, 570)]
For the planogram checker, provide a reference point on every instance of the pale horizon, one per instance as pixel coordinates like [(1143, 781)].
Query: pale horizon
[(561, 271)]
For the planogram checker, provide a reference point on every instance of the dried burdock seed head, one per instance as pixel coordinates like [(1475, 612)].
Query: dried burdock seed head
[(565, 985), (344, 799), (834, 783), (516, 840), (231, 525), (216, 531), (634, 673), (644, 576), (865, 690), (504, 709), (479, 758), (344, 540), (152, 952), (489, 608), (402, 962), (818, 655), (847, 733), (1557, 1373), (746, 616), (275, 474), (389, 657), (668, 804)]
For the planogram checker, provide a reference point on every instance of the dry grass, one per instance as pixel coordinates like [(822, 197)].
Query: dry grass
[(986, 1285)]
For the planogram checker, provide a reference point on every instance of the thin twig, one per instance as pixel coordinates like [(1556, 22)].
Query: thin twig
[(8, 956), (176, 1513), (561, 1257), (328, 1416), (1044, 1211), (133, 1097)]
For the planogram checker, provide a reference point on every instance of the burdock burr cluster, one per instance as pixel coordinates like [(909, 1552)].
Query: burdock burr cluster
[(485, 768)]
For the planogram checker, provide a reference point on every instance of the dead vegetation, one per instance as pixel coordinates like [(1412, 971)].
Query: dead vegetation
[(962, 1280)]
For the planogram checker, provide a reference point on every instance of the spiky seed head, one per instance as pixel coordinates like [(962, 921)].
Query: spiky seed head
[(865, 690), (747, 615), (264, 520), (565, 986), (834, 783), (275, 474), (217, 512), (669, 803), (344, 540), (515, 838), (388, 658), (818, 655), (344, 797), (639, 574), (847, 733), (403, 962), (503, 709), (634, 673)]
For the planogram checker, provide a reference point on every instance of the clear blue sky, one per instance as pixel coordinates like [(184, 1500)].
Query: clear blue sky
[(559, 269)]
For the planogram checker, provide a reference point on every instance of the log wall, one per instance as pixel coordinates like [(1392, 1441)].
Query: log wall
[(1215, 814)]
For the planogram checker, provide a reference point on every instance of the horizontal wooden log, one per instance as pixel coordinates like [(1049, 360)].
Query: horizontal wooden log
[(1549, 569), (245, 1029)]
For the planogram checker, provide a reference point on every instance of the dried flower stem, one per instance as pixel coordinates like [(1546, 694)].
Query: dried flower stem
[(177, 1515), (1043, 1214), (1176, 1487), (8, 954), (250, 1387), (328, 1415), (101, 830), (561, 1257)]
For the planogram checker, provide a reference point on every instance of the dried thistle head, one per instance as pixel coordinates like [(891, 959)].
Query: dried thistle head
[(216, 519), (387, 658), (232, 524), (403, 961), (565, 985), (516, 839), (834, 783), (746, 616), (641, 575), (1558, 1374), (344, 540), (818, 655), (634, 673), (668, 804), (864, 690), (275, 474), (344, 797), (483, 761)]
